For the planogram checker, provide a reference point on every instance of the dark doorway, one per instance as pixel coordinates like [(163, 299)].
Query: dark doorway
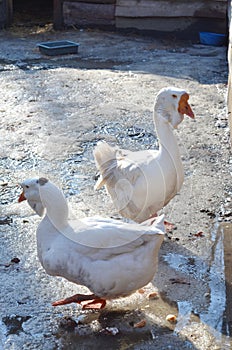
[(32, 12)]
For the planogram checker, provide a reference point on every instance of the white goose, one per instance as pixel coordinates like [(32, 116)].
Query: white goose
[(113, 259), (141, 183)]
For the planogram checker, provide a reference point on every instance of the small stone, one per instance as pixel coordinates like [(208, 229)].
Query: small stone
[(141, 291), (171, 318), (68, 323), (153, 295), (112, 330)]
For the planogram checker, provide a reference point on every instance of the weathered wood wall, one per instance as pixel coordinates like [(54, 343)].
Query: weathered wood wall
[(229, 94), (83, 13), (152, 15), (170, 8), (171, 15), (89, 12), (5, 13)]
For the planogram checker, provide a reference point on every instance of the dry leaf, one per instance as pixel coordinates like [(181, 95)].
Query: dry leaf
[(199, 234), (140, 324)]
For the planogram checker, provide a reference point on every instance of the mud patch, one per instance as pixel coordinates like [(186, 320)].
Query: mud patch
[(127, 335), (70, 61), (14, 323)]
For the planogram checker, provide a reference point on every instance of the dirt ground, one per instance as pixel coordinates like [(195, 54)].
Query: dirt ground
[(53, 111)]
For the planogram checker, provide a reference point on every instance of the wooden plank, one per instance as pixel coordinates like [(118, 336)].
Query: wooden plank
[(155, 24), (9, 12), (227, 228), (105, 2), (57, 14), (88, 14), (6, 13), (183, 2), (185, 27), (229, 93), (165, 8)]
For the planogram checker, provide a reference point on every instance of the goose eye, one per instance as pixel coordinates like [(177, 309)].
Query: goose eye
[(174, 96), (27, 186)]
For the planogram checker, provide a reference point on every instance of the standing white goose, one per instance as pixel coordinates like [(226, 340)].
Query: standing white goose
[(141, 183), (113, 259)]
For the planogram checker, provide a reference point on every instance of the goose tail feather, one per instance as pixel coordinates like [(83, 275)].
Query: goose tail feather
[(105, 159)]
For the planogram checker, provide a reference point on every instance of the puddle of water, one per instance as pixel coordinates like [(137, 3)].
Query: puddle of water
[(191, 266), (217, 274), (214, 316), (184, 315), (103, 341), (128, 337)]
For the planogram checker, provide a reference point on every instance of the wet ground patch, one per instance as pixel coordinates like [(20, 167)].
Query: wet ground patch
[(71, 173), (130, 135), (120, 330), (14, 323), (106, 97), (47, 64)]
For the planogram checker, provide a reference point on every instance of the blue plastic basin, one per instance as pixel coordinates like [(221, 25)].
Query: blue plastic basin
[(213, 39)]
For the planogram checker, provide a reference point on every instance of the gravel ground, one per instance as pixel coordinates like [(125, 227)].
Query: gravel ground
[(53, 111)]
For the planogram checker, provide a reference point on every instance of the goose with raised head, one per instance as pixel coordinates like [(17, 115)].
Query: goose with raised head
[(112, 258), (141, 183)]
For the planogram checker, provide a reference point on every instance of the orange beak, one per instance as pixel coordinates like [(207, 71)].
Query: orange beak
[(22, 197), (184, 107)]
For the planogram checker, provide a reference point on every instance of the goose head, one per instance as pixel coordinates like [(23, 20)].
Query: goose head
[(31, 193), (172, 104), (41, 193)]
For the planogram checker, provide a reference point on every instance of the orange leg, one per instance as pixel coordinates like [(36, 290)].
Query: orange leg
[(90, 301)]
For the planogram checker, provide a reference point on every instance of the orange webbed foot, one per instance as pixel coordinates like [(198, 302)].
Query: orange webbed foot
[(87, 301), (96, 304)]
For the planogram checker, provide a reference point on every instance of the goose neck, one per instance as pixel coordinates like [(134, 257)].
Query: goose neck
[(167, 139), (56, 205)]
